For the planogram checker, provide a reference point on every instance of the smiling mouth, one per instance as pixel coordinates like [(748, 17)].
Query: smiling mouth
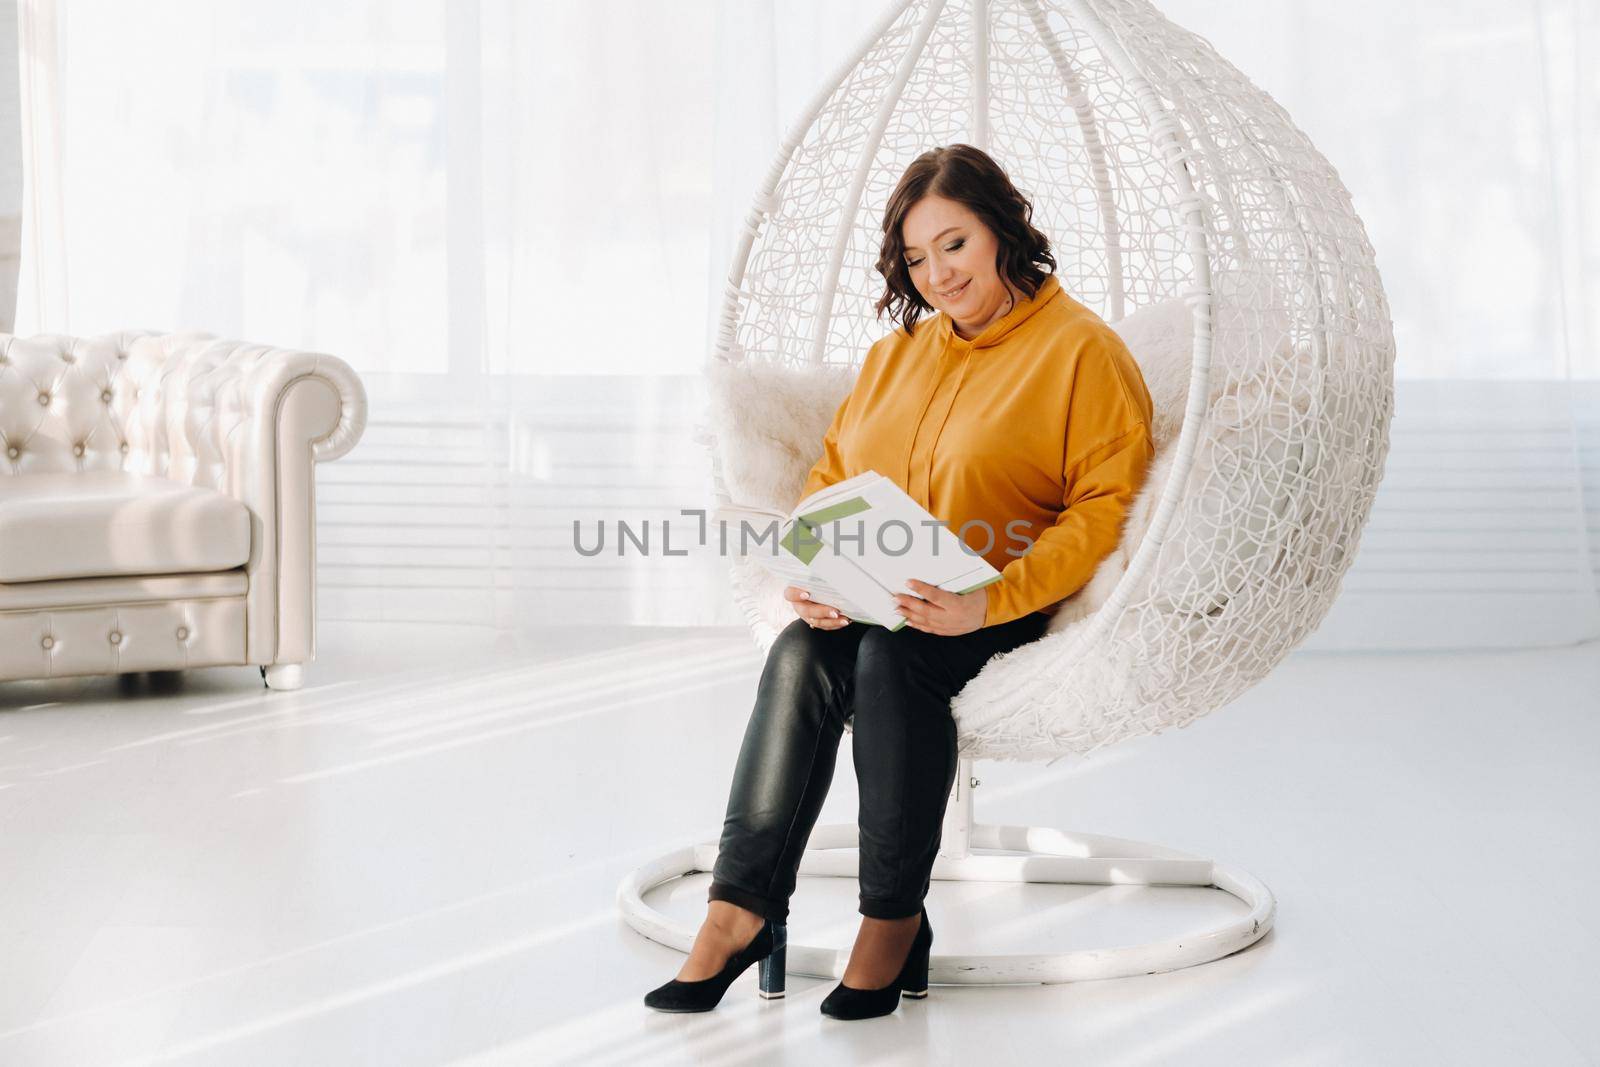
[(952, 294)]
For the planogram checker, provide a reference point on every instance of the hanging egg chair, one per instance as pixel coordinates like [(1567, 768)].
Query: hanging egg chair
[(1183, 206)]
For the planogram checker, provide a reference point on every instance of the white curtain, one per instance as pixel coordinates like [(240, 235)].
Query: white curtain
[(514, 219)]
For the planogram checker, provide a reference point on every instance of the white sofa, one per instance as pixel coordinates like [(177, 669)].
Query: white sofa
[(157, 501)]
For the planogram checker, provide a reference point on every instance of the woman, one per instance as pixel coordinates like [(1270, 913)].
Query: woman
[(1016, 416)]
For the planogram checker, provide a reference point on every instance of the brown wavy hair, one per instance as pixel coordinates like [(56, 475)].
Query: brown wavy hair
[(971, 177)]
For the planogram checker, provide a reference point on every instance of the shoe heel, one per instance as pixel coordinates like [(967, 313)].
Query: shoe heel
[(772, 970), (915, 985), (914, 982)]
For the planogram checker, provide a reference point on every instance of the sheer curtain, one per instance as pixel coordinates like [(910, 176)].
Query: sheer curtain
[(514, 219), (508, 217)]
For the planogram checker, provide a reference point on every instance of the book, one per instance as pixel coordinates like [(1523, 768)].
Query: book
[(854, 544)]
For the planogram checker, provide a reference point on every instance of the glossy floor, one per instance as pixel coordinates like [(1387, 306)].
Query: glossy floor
[(413, 860)]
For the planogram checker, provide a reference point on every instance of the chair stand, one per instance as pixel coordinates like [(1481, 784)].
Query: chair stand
[(1052, 856)]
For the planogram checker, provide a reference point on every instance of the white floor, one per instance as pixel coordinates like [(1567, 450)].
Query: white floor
[(413, 861)]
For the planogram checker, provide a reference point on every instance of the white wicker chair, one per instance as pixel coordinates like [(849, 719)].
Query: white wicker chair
[(1159, 172)]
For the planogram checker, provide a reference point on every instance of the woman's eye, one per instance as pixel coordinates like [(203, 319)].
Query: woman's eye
[(955, 247)]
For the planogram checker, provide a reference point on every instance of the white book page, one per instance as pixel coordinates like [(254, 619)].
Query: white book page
[(868, 556), (792, 572), (812, 581), (733, 513), (896, 539), (829, 494), (870, 602)]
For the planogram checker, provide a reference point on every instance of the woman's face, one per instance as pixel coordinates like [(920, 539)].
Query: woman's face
[(950, 255)]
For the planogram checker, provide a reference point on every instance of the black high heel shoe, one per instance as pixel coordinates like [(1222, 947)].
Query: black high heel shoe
[(912, 981), (768, 948)]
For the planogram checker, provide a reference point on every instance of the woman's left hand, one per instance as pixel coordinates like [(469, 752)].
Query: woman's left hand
[(941, 611)]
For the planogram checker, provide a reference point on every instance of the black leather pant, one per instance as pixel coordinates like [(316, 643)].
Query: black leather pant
[(898, 686)]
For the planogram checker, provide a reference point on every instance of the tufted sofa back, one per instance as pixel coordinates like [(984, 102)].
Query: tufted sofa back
[(136, 401)]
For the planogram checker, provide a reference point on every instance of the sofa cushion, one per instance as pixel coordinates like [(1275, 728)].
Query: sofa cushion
[(93, 524)]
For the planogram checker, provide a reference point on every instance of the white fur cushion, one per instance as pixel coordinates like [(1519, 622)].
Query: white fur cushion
[(770, 420), (765, 423)]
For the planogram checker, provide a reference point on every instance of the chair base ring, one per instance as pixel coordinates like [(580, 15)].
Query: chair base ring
[(1051, 856)]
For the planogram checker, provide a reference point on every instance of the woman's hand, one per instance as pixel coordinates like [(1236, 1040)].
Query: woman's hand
[(941, 611), (820, 616)]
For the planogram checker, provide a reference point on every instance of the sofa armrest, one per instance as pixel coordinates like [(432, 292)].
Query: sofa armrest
[(251, 420), (301, 408)]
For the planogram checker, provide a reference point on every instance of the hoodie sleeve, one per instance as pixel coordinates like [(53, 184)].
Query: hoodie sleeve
[(1108, 453), (830, 468)]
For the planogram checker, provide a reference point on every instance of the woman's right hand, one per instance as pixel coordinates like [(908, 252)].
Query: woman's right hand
[(820, 616)]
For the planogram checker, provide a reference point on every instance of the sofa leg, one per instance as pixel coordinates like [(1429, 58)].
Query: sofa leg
[(284, 675)]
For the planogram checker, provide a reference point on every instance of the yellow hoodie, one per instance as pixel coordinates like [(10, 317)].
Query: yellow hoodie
[(1034, 435)]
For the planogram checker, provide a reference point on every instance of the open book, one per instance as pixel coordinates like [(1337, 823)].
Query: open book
[(854, 544)]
